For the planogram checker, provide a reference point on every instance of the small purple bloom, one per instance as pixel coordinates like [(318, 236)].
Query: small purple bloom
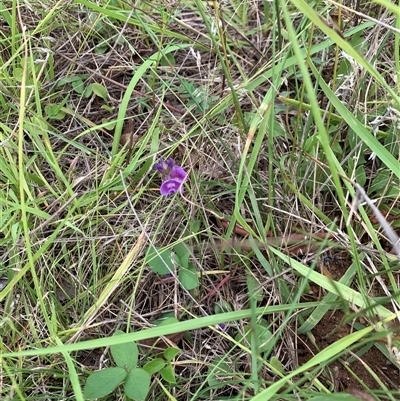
[(163, 166), (178, 173), (222, 326), (170, 163), (169, 187), (173, 176)]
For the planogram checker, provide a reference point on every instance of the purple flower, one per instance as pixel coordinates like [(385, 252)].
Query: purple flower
[(222, 326), (178, 173), (169, 187), (163, 166), (173, 176)]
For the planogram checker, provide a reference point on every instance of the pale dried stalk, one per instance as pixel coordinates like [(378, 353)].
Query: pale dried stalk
[(390, 233)]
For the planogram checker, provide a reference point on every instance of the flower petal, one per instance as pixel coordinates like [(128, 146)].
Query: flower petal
[(170, 163), (178, 173), (169, 187), (159, 166), (164, 166)]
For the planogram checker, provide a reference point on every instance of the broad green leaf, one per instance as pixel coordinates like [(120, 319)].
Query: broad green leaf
[(18, 72), (337, 149), (168, 60), (108, 108), (380, 181), (188, 277), (99, 90), (101, 49), (125, 355), (277, 364), (78, 86), (160, 261), (195, 226), (263, 335), (154, 366), (222, 306), (137, 384), (170, 353), (168, 374), (88, 91), (361, 177), (218, 373), (254, 288), (310, 144), (103, 382), (54, 112), (183, 254), (68, 80), (166, 319)]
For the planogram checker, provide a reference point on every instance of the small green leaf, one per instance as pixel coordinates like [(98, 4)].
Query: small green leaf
[(99, 90), (35, 178), (154, 366), (361, 177), (183, 254), (68, 80), (168, 60), (195, 226), (188, 277), (170, 353), (217, 373), (101, 49), (125, 355), (336, 148), (103, 382), (78, 86), (168, 374), (108, 124), (160, 262), (108, 108), (222, 306), (277, 364), (18, 73), (165, 320), (255, 290), (88, 91), (335, 397), (380, 181), (263, 336), (310, 144), (137, 384), (54, 112)]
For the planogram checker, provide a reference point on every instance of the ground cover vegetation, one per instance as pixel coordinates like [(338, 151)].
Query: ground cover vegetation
[(199, 200)]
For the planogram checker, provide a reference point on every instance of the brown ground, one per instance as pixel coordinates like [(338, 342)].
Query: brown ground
[(333, 327)]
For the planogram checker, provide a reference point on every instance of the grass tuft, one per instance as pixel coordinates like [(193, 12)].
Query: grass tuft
[(268, 277)]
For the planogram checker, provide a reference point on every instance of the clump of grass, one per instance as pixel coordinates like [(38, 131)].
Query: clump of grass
[(275, 111)]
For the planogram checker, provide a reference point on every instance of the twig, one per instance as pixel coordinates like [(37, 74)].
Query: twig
[(390, 233)]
